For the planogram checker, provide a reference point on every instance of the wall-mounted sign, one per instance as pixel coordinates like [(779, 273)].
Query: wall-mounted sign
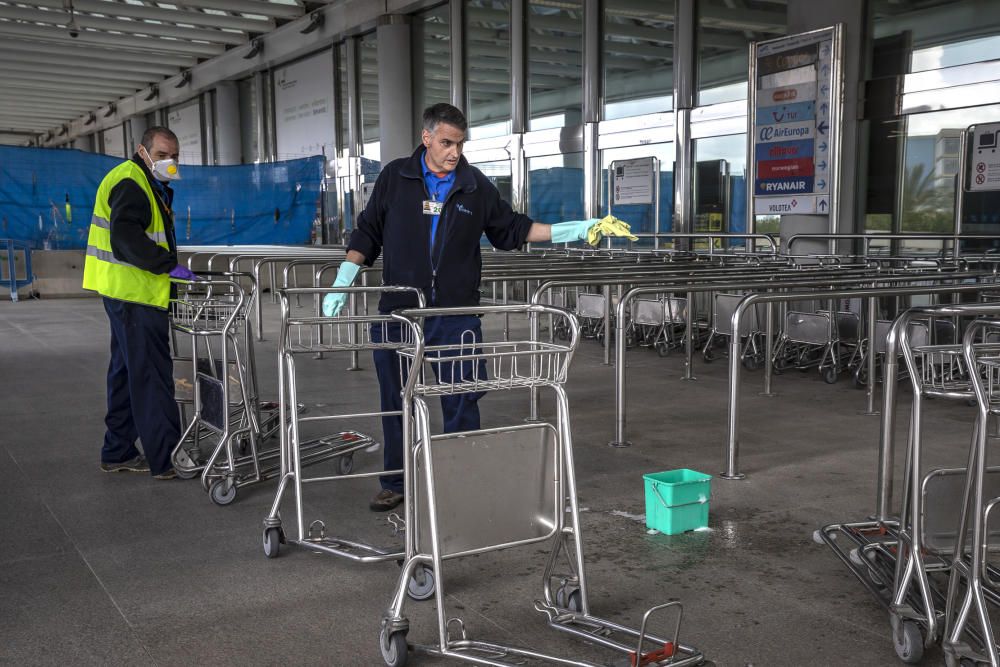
[(793, 111), (984, 157), (185, 121), (632, 181), (304, 111), (114, 141)]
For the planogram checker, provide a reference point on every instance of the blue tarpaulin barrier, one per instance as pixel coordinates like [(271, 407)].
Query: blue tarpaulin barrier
[(47, 199)]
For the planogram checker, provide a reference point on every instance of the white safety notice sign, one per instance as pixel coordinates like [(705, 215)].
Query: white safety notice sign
[(632, 181), (984, 165)]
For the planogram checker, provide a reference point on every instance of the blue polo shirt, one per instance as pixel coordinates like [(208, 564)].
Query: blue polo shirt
[(438, 188)]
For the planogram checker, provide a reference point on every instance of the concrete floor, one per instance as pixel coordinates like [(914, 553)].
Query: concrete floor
[(121, 569)]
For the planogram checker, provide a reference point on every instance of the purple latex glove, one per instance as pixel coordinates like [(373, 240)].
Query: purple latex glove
[(182, 272)]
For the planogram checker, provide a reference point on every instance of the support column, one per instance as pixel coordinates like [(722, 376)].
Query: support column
[(685, 57), (227, 123), (593, 177), (258, 116), (136, 128), (804, 15), (395, 90), (457, 19), (518, 67)]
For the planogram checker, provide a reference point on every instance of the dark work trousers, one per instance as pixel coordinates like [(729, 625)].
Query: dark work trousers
[(140, 386), (460, 412)]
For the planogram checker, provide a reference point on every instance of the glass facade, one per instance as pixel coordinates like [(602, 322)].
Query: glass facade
[(487, 67), (555, 64), (637, 58), (431, 45)]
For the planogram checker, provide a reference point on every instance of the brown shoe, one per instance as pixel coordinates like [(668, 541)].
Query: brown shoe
[(385, 500), (169, 473), (135, 464)]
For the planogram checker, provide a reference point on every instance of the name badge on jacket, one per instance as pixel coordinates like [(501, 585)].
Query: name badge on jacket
[(433, 207)]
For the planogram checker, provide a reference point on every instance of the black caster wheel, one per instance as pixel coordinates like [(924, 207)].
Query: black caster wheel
[(222, 491), (858, 380), (708, 356), (908, 640), (393, 647), (663, 349), (274, 537), (421, 583), (751, 363), (830, 375), (345, 464)]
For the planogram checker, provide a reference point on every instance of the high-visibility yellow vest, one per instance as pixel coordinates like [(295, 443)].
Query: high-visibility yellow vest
[(112, 277)]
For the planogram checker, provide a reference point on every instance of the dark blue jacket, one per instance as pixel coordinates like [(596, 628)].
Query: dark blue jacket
[(393, 224)]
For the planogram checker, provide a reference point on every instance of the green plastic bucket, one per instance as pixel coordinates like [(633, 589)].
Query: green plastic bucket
[(677, 500)]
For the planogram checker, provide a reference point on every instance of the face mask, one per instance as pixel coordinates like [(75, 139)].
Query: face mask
[(164, 170)]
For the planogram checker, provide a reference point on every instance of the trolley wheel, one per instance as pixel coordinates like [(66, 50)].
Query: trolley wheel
[(858, 380), (345, 464), (707, 356), (908, 640), (421, 583), (242, 445), (751, 363), (663, 349), (222, 491), (830, 375), (393, 647), (568, 597), (186, 474), (561, 333), (272, 541)]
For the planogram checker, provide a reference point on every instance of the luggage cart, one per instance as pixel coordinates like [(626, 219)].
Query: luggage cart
[(723, 307), (226, 408), (590, 308), (814, 340), (525, 493), (659, 323), (919, 336), (305, 337), (907, 563)]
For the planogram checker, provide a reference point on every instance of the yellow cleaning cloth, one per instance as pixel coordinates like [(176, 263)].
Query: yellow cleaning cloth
[(609, 226)]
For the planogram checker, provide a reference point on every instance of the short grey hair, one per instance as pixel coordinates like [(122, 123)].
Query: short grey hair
[(444, 113)]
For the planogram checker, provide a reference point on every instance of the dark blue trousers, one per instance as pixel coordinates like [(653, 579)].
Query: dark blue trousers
[(140, 386), (460, 412)]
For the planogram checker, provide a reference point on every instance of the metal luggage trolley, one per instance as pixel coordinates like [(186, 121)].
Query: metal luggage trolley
[(213, 312), (723, 307), (906, 564), (919, 336), (525, 493), (659, 323), (590, 307), (306, 337), (814, 340)]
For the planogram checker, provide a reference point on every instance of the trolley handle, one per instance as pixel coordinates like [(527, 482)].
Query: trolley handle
[(668, 650)]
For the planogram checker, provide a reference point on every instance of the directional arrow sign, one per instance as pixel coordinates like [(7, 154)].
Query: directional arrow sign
[(825, 70), (821, 165), (822, 147), (824, 108), (822, 128), (821, 184), (822, 205), (824, 90)]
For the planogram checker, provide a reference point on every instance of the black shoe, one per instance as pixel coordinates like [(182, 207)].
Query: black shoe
[(385, 500), (169, 473), (137, 464)]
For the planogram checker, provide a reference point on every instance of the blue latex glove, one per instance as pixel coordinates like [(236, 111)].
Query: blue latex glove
[(574, 230), (332, 303), (182, 272)]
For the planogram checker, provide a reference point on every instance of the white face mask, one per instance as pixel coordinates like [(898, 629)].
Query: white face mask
[(164, 170)]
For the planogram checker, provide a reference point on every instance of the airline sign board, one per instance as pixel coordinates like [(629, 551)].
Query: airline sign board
[(984, 166), (792, 111)]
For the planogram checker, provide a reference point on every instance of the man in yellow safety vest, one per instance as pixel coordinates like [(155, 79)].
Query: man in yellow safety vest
[(131, 257)]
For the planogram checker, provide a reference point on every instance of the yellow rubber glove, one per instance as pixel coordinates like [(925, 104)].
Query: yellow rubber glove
[(609, 225)]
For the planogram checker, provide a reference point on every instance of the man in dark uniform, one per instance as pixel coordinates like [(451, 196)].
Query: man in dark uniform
[(426, 216)]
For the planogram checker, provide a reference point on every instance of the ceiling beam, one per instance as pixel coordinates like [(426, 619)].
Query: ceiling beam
[(78, 52), (65, 88), (21, 92), (38, 62), (156, 13), (83, 72), (132, 27), (146, 46), (262, 7), (29, 79)]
